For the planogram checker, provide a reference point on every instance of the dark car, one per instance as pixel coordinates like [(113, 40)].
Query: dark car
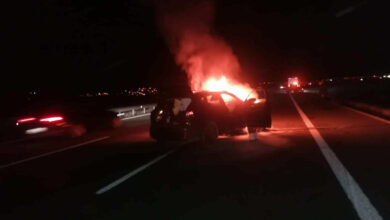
[(57, 118), (207, 115), (65, 124)]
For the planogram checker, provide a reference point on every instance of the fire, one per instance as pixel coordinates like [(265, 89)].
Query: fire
[(208, 60), (243, 92)]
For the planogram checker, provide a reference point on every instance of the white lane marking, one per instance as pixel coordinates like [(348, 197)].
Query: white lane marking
[(355, 194), (366, 114), (138, 116), (139, 169), (52, 152), (132, 173)]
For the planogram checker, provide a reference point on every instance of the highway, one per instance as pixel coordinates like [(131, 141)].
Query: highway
[(319, 160)]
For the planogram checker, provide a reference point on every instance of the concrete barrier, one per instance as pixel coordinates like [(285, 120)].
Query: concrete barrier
[(132, 111)]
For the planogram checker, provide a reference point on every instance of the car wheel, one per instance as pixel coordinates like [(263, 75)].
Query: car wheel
[(77, 130), (210, 132)]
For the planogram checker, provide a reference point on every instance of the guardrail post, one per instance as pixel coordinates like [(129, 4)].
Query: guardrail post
[(144, 110), (133, 111)]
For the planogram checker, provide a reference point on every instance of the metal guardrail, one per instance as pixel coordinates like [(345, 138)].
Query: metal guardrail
[(131, 111)]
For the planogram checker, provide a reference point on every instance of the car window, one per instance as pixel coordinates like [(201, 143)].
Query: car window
[(213, 100), (231, 102)]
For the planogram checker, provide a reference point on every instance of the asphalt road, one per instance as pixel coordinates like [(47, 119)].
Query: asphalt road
[(319, 161)]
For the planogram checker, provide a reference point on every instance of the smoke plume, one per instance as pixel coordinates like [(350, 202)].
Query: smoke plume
[(188, 30)]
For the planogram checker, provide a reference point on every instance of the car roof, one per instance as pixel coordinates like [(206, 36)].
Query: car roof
[(215, 92)]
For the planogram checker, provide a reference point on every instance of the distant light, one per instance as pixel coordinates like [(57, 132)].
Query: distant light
[(361, 79), (120, 114), (51, 119), (310, 83), (281, 87), (189, 114), (388, 76), (331, 80)]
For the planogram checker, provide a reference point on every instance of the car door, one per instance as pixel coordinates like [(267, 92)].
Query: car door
[(217, 111), (236, 110), (258, 112)]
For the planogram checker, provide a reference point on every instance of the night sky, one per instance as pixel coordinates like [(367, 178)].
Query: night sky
[(96, 44)]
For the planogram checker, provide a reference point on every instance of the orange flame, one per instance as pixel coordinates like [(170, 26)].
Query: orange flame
[(208, 60), (243, 92)]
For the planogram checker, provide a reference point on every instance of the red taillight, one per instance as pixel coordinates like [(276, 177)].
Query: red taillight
[(189, 114), (24, 120), (51, 119)]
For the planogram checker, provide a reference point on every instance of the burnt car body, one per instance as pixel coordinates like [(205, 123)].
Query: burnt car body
[(207, 115)]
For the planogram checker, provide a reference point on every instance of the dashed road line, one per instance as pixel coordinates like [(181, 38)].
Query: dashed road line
[(132, 173), (355, 194), (52, 152), (138, 170)]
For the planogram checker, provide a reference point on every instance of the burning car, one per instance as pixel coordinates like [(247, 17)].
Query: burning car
[(206, 115)]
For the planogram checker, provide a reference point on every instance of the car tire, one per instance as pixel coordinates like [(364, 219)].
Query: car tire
[(210, 132)]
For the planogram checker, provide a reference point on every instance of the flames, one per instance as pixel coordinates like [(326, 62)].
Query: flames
[(208, 60), (243, 92)]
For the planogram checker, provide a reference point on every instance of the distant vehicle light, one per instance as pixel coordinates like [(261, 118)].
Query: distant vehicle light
[(281, 87), (293, 82), (51, 119), (24, 120), (361, 79), (189, 114)]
